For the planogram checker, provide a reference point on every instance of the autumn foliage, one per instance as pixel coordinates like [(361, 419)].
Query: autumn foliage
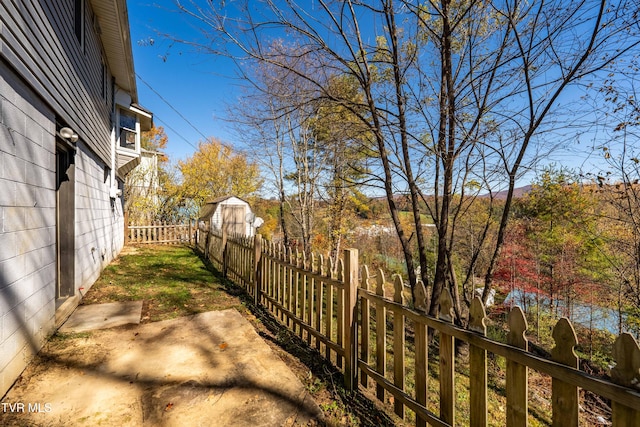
[(216, 170)]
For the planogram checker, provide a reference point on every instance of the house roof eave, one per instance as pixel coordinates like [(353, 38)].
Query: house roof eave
[(113, 20)]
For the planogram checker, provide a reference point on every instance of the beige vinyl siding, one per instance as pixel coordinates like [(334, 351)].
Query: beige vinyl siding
[(38, 39)]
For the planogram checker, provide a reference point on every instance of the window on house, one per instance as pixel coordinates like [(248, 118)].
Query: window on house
[(127, 130), (79, 20)]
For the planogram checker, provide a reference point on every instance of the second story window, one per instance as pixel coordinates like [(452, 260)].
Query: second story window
[(127, 130), (79, 20)]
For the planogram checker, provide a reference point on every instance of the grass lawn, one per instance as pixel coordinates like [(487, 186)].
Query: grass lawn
[(171, 280)]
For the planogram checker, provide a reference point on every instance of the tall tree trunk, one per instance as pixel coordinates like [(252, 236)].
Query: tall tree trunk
[(446, 141)]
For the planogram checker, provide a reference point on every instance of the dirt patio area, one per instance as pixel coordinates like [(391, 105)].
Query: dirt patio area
[(181, 360), (207, 369)]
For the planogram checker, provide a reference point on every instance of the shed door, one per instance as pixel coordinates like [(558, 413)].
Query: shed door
[(233, 219)]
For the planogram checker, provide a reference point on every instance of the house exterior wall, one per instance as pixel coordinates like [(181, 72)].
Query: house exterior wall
[(148, 176), (47, 80), (99, 219), (143, 189), (38, 39), (27, 225)]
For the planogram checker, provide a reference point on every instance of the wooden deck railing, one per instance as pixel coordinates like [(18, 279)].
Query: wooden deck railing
[(346, 313)]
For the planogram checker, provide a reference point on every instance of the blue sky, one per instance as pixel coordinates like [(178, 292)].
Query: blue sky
[(198, 86), (173, 77)]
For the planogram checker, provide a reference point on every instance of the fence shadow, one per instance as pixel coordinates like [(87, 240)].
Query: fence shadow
[(361, 320), (367, 411), (155, 389)]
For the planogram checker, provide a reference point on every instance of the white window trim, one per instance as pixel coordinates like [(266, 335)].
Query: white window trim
[(119, 147)]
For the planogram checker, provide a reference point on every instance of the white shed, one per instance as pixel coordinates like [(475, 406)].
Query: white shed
[(229, 213)]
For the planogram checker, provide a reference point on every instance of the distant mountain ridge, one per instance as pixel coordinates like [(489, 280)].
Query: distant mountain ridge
[(517, 193)]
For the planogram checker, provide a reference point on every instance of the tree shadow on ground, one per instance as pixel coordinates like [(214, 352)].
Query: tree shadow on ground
[(367, 412), (135, 369)]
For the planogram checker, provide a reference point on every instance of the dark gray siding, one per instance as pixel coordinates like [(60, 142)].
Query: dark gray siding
[(38, 39)]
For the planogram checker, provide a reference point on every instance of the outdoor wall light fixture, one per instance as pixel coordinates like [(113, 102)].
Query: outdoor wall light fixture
[(69, 134)]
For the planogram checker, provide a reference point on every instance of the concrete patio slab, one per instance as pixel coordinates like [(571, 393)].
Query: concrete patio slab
[(103, 316), (208, 369)]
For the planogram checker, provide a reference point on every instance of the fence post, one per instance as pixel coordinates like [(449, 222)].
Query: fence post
[(422, 354), (224, 252), (447, 362), (517, 388), (477, 367), (189, 231), (350, 318), (627, 356), (257, 267), (126, 228), (564, 397)]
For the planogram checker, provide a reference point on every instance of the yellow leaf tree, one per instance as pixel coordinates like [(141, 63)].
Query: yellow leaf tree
[(216, 170), (156, 140)]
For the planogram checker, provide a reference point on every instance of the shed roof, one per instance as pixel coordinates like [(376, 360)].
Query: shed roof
[(223, 198), (209, 208), (206, 212)]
